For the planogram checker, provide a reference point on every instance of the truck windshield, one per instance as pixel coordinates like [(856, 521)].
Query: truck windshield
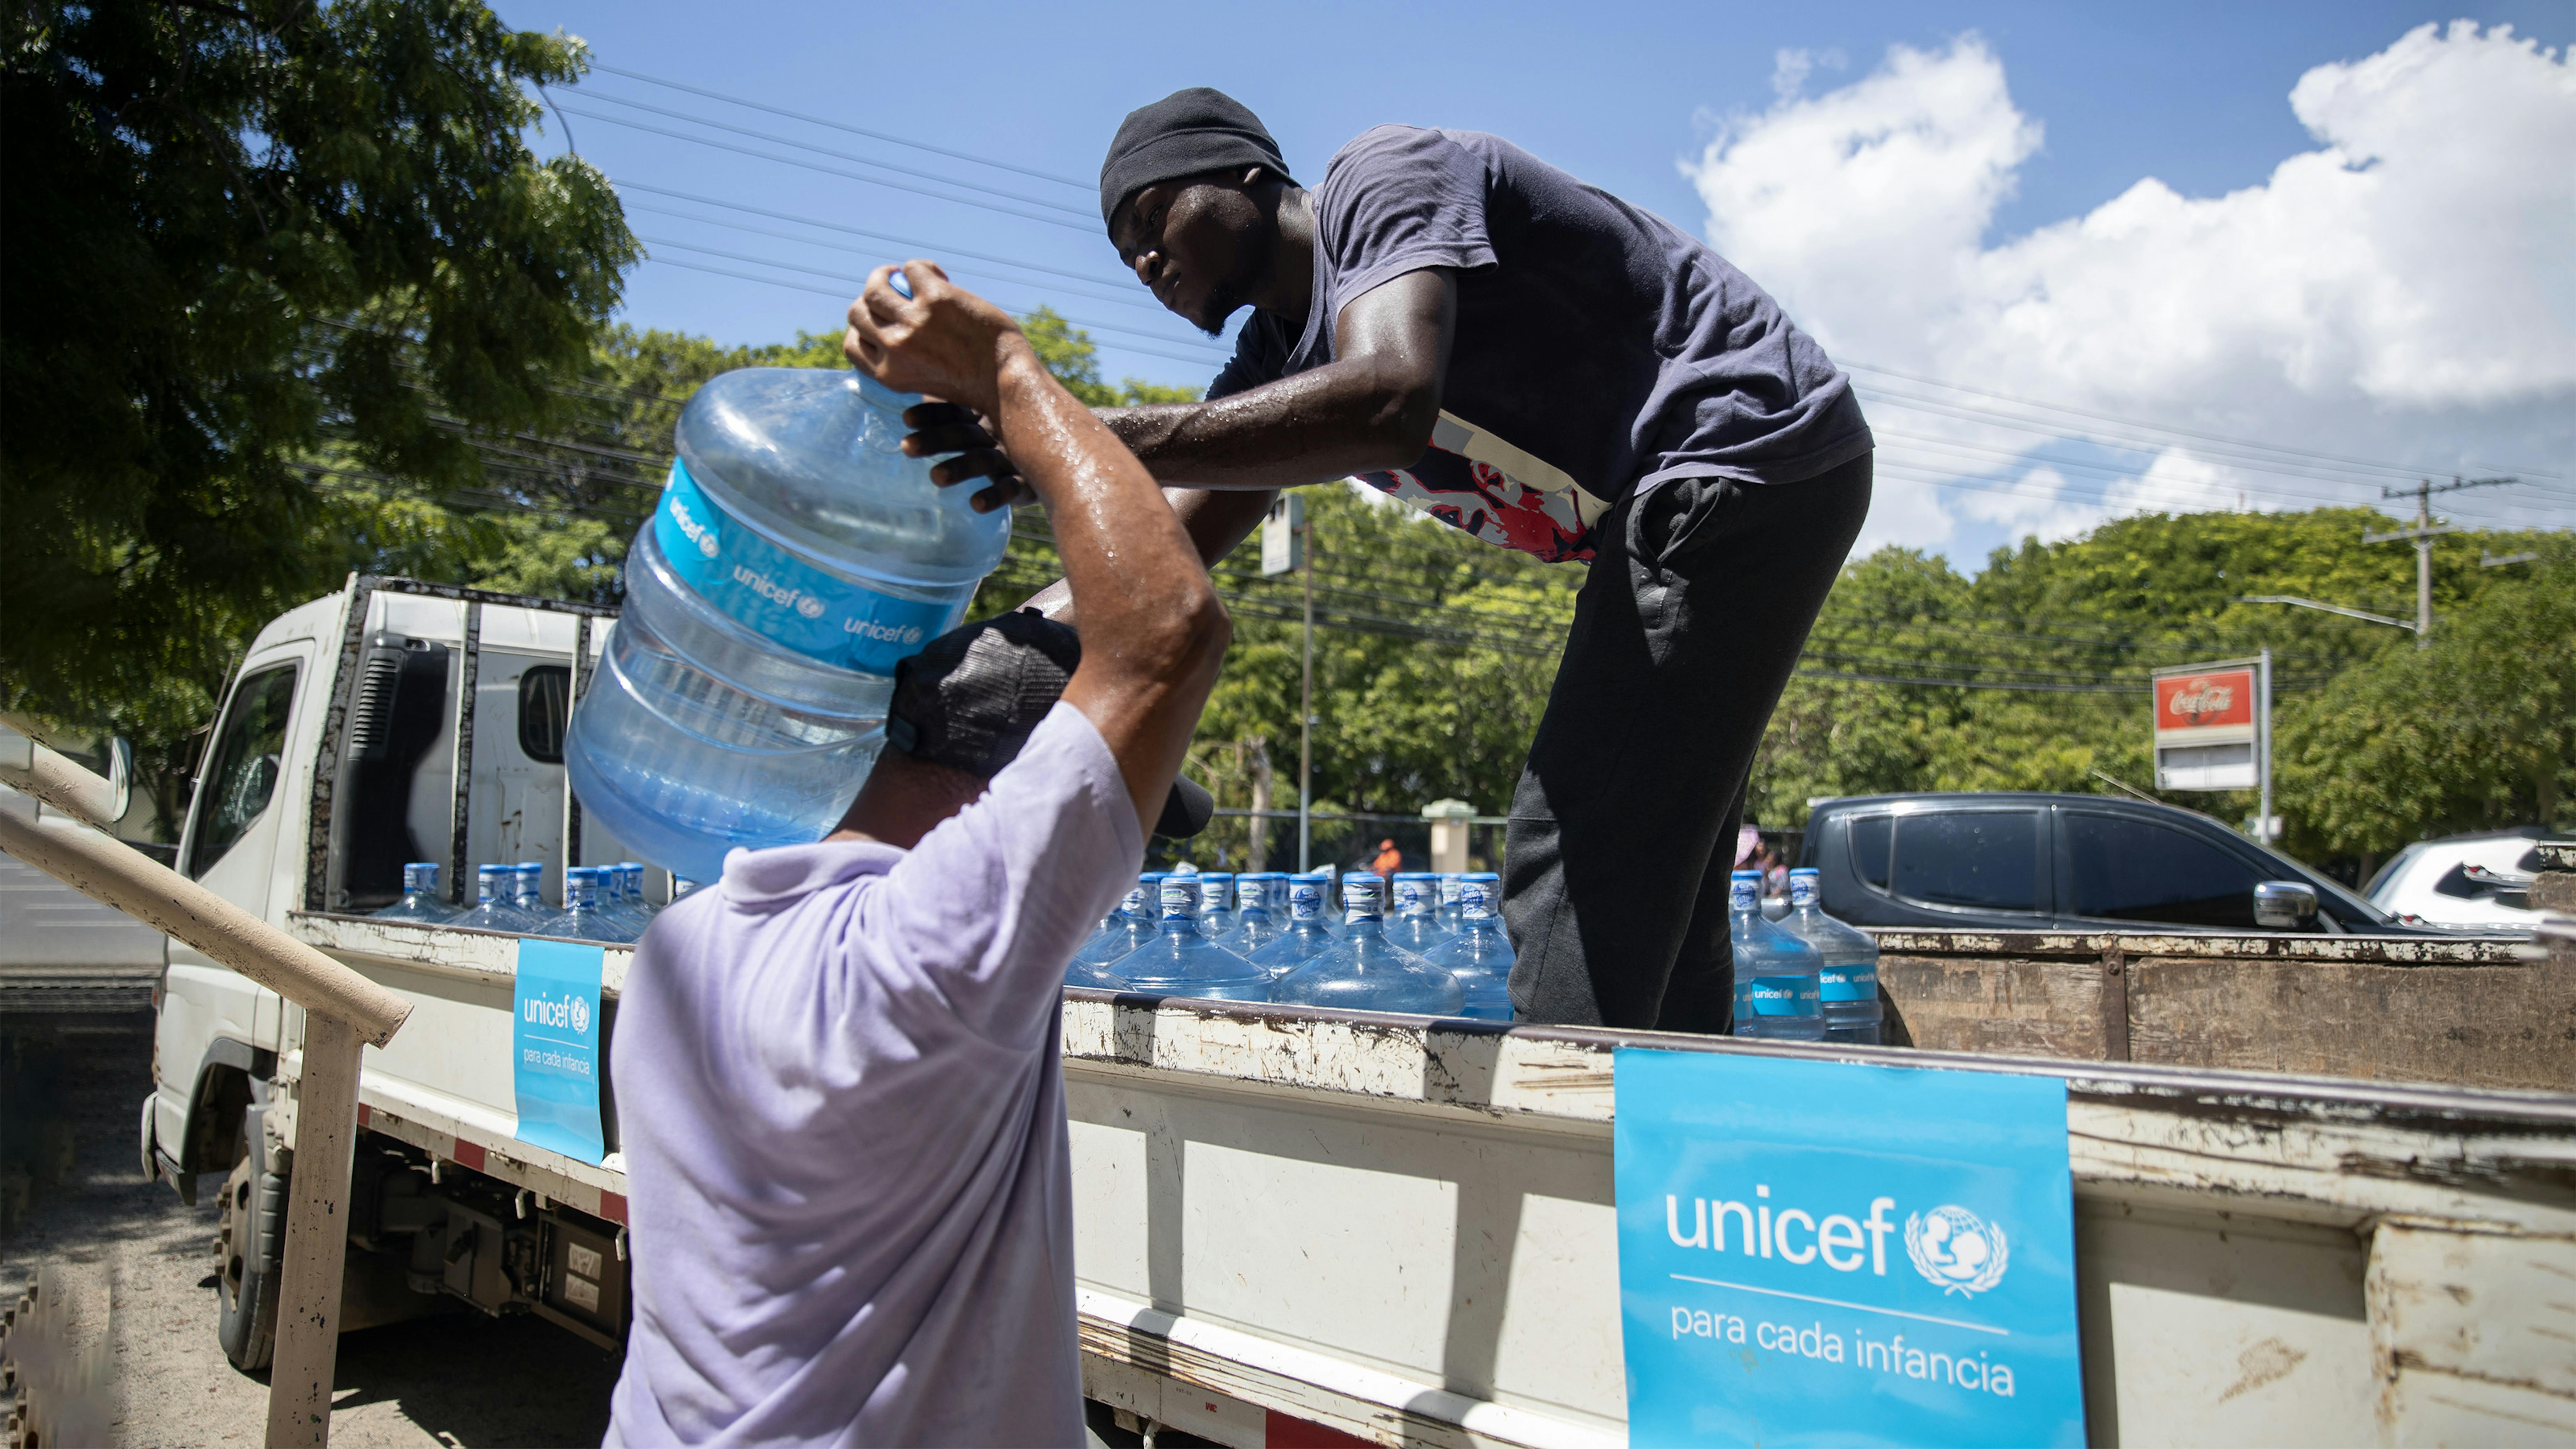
[(248, 758)]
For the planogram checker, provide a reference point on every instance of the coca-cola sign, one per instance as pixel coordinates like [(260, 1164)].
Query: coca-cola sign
[(2214, 699)]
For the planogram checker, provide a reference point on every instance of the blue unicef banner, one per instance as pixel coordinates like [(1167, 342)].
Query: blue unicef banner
[(554, 1041), (1830, 1254), (787, 600)]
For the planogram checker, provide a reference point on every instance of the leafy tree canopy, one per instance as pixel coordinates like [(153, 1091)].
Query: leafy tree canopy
[(250, 245)]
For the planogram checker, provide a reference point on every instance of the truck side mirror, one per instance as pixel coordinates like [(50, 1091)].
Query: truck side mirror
[(2284, 905)]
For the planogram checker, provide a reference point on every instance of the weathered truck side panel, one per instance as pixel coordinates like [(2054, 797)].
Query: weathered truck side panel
[(2471, 1011)]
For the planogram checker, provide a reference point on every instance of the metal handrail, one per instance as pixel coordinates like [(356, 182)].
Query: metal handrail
[(343, 1012)]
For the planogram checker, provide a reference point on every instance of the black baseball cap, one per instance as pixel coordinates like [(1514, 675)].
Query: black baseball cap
[(971, 698)]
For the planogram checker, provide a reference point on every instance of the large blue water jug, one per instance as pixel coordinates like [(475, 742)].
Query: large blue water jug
[(1480, 953), (1365, 971), (796, 556), (1848, 975), (1778, 985)]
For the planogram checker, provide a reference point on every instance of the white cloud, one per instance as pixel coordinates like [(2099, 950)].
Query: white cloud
[(2405, 292)]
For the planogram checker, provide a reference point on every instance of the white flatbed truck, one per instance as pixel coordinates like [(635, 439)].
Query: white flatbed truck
[(1298, 1227)]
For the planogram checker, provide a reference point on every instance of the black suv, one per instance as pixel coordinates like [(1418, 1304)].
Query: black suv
[(2034, 862)]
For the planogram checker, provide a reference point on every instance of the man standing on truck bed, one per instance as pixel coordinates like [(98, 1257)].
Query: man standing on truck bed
[(837, 1078), (1542, 365)]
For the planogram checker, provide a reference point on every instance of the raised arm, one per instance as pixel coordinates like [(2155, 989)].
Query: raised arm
[(1153, 631), (1370, 408)]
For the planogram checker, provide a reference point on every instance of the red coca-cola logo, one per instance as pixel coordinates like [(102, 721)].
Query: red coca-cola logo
[(2196, 701), (2202, 697)]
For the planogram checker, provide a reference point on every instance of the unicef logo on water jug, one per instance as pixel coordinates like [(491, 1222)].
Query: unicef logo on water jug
[(810, 607), (1956, 1250)]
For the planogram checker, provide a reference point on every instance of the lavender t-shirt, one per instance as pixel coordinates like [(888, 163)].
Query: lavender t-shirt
[(842, 1111), (1599, 349)]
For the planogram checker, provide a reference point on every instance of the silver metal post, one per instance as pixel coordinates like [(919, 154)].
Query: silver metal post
[(2263, 685)]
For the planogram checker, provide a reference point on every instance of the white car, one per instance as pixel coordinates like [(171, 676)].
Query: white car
[(2463, 880)]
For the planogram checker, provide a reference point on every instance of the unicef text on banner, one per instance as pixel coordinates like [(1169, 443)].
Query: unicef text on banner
[(1817, 1252), (554, 1039)]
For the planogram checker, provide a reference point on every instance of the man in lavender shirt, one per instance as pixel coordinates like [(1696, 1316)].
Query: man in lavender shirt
[(837, 1084)]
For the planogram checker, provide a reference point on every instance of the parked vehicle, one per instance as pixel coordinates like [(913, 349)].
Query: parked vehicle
[(2481, 881), (1313, 1226), (2042, 862)]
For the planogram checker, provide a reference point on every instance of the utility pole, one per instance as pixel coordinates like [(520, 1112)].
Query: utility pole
[(2422, 535), (1306, 702), (1288, 542)]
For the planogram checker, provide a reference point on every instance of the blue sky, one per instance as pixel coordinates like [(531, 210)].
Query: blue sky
[(2194, 95)]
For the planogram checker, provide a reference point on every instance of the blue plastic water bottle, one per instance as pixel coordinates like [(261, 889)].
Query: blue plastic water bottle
[(1414, 924), (495, 886), (795, 557), (1777, 985), (1254, 926), (630, 895), (527, 891), (1848, 973), (1216, 904), (1332, 913), (420, 904), (1364, 971), (1126, 927), (1480, 954), (1451, 883), (1179, 961), (581, 919), (1302, 935)]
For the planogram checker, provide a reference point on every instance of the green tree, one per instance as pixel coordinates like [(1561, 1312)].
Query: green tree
[(2050, 648), (246, 243), (2475, 732)]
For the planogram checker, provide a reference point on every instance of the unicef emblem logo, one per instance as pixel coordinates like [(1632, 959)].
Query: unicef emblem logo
[(1956, 1250), (810, 607), (707, 543), (581, 1021)]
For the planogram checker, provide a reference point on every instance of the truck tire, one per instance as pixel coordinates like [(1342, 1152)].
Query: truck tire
[(250, 1247)]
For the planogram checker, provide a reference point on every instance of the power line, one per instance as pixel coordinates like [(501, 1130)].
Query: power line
[(1216, 354), (966, 269), (2139, 422), (855, 159), (832, 292), (2026, 425), (813, 120), (928, 247), (818, 167)]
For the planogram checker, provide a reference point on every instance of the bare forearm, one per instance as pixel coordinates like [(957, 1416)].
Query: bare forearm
[(1153, 632), (1329, 423)]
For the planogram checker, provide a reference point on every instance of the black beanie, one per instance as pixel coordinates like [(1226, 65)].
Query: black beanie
[(1183, 134)]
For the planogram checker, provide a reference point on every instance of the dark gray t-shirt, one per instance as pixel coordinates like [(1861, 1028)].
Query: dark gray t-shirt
[(1599, 348)]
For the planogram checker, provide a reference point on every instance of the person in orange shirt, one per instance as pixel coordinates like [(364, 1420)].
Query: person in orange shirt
[(1389, 859)]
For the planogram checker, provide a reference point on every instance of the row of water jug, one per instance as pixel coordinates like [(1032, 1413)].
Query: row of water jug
[(1807, 977), (1267, 936), (601, 902)]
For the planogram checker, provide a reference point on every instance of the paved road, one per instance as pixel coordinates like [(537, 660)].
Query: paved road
[(462, 1380)]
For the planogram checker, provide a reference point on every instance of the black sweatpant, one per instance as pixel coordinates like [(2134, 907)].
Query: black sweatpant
[(1623, 829)]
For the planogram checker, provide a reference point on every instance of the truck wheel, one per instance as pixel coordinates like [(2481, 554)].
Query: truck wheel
[(250, 1243)]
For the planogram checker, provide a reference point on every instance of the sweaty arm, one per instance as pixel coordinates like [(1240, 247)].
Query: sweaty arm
[(1153, 631), (1372, 407)]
